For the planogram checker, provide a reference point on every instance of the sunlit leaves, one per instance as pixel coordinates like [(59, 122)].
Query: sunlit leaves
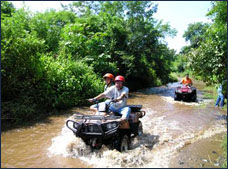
[(208, 48)]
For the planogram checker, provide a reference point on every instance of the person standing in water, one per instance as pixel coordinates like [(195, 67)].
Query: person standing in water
[(220, 97)]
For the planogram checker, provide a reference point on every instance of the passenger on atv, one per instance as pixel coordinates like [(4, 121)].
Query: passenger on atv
[(119, 93)]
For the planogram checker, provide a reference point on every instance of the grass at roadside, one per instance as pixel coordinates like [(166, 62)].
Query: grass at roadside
[(210, 92), (224, 146)]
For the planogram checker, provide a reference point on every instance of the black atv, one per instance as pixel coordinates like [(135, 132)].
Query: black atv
[(96, 130), (185, 93)]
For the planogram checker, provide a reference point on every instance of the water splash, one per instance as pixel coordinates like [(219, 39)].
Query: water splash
[(198, 103), (154, 148)]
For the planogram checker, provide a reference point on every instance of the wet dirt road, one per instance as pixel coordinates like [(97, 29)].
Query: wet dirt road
[(176, 134)]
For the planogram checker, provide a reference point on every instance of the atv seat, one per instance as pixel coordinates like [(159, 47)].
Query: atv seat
[(135, 108)]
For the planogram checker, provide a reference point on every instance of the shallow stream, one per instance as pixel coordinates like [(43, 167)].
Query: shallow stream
[(176, 134)]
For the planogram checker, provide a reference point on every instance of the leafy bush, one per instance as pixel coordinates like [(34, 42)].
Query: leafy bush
[(34, 83), (55, 60), (69, 83)]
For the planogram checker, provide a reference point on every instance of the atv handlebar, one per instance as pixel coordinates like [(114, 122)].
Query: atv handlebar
[(93, 100), (96, 101)]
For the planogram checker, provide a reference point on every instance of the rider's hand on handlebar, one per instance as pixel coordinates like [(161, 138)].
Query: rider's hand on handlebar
[(92, 100), (115, 100)]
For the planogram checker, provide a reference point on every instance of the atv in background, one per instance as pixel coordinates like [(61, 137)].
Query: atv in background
[(96, 130), (185, 93)]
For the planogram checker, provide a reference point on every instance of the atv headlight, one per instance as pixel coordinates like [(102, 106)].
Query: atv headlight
[(75, 125), (91, 128), (179, 91), (114, 125), (111, 125)]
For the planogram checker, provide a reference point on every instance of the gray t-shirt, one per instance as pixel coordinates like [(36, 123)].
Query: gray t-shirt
[(106, 88), (219, 90), (114, 93)]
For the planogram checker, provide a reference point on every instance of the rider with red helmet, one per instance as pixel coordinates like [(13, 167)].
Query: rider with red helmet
[(119, 93)]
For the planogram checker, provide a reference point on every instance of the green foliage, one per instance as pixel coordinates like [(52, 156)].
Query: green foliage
[(34, 83), (68, 83), (195, 33), (218, 12), (48, 25), (20, 67), (55, 60), (122, 38), (19, 55), (7, 9), (207, 53)]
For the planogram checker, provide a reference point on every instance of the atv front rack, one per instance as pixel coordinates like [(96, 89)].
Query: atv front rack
[(95, 117), (90, 130)]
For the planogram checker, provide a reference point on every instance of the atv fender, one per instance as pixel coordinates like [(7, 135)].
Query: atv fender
[(124, 125)]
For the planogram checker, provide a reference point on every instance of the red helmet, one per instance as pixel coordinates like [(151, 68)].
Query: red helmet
[(109, 75), (119, 78)]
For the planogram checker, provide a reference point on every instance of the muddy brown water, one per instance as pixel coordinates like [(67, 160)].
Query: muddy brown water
[(176, 134)]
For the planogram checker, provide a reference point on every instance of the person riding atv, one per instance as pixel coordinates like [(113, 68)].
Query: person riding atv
[(186, 81), (115, 127), (186, 91), (108, 78)]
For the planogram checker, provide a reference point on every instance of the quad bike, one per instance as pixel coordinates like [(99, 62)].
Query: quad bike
[(185, 93), (96, 130)]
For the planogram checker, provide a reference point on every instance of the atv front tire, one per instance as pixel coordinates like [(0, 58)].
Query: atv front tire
[(176, 97)]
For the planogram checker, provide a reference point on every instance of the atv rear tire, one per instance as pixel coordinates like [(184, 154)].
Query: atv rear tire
[(139, 131), (194, 98), (124, 143)]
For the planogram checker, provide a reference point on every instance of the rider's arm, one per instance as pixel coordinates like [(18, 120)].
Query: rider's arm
[(105, 94), (191, 82), (121, 97), (100, 96)]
